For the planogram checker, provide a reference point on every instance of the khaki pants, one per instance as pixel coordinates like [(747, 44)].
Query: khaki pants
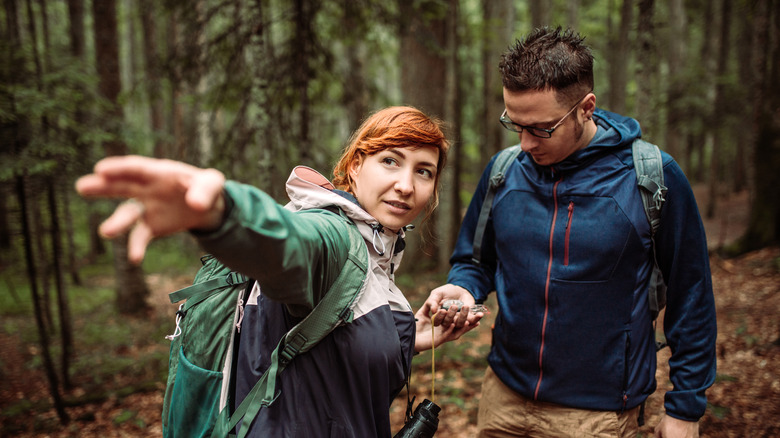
[(503, 413)]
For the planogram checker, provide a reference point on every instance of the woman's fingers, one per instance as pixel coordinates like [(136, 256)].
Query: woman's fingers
[(205, 190), (122, 220), (137, 242)]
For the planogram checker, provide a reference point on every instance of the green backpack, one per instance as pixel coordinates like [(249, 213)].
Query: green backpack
[(198, 391), (648, 165)]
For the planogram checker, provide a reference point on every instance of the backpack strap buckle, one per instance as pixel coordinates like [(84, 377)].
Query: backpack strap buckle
[(291, 349)]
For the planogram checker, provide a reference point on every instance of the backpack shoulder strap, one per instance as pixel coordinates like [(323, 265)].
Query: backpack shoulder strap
[(207, 287), (334, 309), (497, 178), (650, 178)]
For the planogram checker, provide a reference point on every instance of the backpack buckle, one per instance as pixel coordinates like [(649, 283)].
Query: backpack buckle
[(234, 278), (291, 349)]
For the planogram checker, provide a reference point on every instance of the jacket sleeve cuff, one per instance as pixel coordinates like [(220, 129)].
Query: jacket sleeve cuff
[(685, 405)]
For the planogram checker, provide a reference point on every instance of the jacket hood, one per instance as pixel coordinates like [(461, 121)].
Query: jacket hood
[(613, 131), (308, 189)]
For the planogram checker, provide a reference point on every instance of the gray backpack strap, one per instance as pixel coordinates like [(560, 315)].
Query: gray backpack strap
[(497, 178), (650, 178)]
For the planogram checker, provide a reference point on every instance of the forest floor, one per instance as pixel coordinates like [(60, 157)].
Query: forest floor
[(744, 402)]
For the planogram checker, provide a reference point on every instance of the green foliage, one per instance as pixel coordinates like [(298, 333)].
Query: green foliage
[(719, 412), (725, 378)]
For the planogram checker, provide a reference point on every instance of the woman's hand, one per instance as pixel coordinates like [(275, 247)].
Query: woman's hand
[(164, 197)]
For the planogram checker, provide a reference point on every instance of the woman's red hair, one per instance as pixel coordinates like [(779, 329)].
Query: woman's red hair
[(393, 127)]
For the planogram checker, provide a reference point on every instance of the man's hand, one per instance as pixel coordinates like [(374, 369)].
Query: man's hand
[(442, 334), (670, 427), (460, 317), (165, 197)]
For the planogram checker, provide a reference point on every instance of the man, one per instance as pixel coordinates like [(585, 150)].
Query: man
[(568, 251)]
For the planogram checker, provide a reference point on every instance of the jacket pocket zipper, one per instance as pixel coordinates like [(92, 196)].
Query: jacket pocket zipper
[(568, 233), (626, 357)]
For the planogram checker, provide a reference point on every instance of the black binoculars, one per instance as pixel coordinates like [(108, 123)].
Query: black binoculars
[(423, 423)]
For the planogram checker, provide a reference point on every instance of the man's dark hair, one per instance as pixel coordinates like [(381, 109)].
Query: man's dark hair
[(549, 59)]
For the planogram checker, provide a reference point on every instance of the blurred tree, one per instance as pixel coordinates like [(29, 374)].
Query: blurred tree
[(573, 14), (701, 132), (450, 193), (764, 225), (676, 57), (423, 33), (130, 284), (619, 57), (715, 177), (17, 138), (50, 183), (149, 14), (647, 69), (499, 26), (540, 13)]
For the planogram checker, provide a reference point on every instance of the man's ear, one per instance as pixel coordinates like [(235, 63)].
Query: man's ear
[(589, 106)]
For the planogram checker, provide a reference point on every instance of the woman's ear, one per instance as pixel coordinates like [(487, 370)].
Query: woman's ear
[(354, 167)]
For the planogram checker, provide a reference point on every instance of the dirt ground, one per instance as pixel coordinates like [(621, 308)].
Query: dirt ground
[(744, 402)]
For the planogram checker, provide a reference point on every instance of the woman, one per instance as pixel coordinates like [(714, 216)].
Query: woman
[(387, 175)]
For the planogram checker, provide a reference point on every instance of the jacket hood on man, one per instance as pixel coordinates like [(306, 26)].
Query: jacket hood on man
[(614, 131)]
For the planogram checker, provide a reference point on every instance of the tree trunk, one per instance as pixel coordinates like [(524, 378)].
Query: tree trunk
[(744, 178), (43, 265), (540, 12), (5, 227), (720, 100), (646, 68), (423, 79), (449, 219), (152, 73), (32, 275), (676, 56), (702, 138), (573, 14), (66, 327), (304, 15), (18, 134), (764, 224), (356, 94), (620, 57), (175, 114), (131, 287), (77, 50), (498, 37)]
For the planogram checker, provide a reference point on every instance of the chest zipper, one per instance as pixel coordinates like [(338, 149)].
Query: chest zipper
[(568, 233)]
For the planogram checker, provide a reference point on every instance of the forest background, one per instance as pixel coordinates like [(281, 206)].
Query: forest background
[(256, 87)]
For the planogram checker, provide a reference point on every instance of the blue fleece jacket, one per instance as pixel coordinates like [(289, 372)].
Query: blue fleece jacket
[(568, 252)]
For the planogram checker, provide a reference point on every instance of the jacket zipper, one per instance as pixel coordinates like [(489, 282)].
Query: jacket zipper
[(568, 233), (547, 288), (625, 372)]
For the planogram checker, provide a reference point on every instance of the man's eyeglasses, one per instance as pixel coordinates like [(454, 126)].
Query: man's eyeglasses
[(536, 132)]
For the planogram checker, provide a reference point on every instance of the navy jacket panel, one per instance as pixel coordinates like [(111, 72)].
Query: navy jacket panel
[(343, 386)]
